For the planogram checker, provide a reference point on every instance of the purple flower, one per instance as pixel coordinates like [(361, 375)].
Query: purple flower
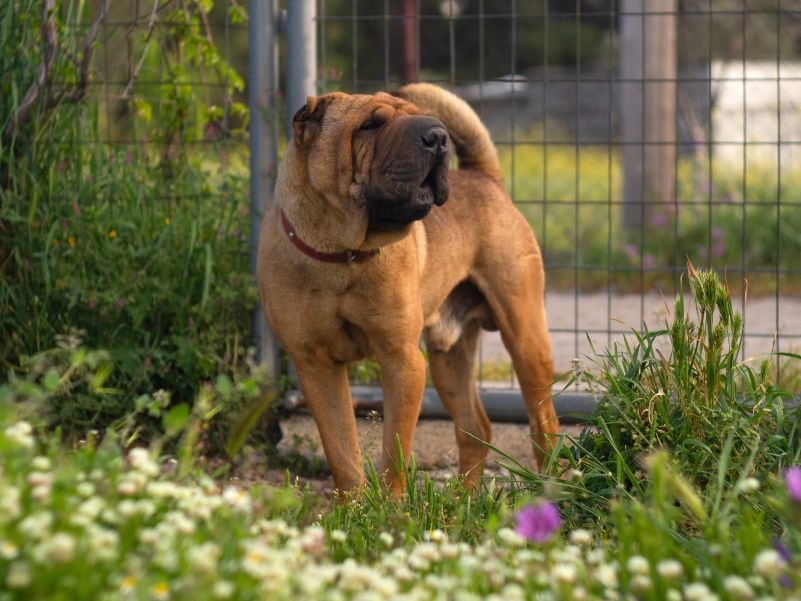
[(632, 252), (538, 522), (659, 220), (792, 478)]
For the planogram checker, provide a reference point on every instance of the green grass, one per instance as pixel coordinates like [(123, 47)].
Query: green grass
[(675, 491)]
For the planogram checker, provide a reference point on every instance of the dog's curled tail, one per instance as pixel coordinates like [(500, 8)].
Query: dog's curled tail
[(473, 144)]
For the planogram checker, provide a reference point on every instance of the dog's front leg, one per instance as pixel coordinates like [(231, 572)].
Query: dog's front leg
[(403, 378), (327, 393)]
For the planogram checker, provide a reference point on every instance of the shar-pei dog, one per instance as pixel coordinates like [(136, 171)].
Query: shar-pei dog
[(372, 242)]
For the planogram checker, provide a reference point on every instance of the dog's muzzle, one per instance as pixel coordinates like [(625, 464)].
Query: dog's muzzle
[(410, 172)]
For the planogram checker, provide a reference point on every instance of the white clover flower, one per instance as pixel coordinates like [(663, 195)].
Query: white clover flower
[(339, 536), (36, 525), (204, 558), (160, 591), (8, 550), (418, 563), (564, 573), (428, 551), (768, 562), (103, 543), (672, 595), (41, 493), (131, 483), (435, 535), (595, 556), (581, 537), (85, 489), (606, 574), (41, 463), (637, 564), (10, 508), (568, 553), (179, 521), (142, 462), (386, 539), (698, 591), (60, 548), (466, 596), (21, 434), (670, 569), (514, 592), (236, 498), (88, 511), (402, 573), (738, 587), (18, 575), (313, 540), (641, 583), (164, 555), (510, 538), (449, 550), (126, 508), (223, 589), (748, 485), (163, 489)]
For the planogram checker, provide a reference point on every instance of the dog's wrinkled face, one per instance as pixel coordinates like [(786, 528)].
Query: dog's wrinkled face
[(393, 162)]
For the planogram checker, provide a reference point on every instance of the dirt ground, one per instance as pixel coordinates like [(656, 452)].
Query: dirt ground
[(434, 450)]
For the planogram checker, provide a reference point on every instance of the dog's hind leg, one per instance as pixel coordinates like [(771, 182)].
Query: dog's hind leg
[(453, 374), (514, 289)]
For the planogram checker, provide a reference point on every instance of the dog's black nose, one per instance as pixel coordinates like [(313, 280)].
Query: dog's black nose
[(435, 139)]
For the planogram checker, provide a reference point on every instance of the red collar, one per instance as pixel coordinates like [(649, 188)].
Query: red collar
[(348, 256)]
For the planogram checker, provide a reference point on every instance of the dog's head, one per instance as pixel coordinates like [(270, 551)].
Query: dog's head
[(375, 156)]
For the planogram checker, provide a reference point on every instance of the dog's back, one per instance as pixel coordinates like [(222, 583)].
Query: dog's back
[(472, 141)]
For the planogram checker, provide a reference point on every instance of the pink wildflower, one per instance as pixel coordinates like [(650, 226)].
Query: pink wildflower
[(538, 522)]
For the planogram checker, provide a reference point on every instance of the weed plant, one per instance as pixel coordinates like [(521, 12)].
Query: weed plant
[(138, 248), (684, 390)]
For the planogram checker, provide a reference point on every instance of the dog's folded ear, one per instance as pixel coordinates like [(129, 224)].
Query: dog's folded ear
[(307, 121)]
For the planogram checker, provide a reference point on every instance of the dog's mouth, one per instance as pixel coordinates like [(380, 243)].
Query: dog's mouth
[(395, 211)]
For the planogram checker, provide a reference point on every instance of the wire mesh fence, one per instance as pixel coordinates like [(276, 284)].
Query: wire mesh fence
[(633, 135)]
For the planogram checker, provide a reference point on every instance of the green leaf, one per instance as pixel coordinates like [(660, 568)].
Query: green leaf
[(176, 418), (51, 380), (223, 385)]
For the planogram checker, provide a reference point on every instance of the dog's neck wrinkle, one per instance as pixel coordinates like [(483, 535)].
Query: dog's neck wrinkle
[(319, 225)]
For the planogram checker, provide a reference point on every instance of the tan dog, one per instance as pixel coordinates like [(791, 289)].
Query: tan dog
[(358, 259)]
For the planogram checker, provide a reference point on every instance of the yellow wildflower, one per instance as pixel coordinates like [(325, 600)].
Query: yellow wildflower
[(71, 241), (112, 234)]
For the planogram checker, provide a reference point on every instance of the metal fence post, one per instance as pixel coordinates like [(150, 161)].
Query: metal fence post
[(301, 55), (264, 128)]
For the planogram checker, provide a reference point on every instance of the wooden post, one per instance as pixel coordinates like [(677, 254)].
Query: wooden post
[(648, 61), (408, 41)]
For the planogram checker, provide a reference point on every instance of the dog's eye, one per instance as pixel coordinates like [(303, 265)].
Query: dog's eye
[(368, 125)]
